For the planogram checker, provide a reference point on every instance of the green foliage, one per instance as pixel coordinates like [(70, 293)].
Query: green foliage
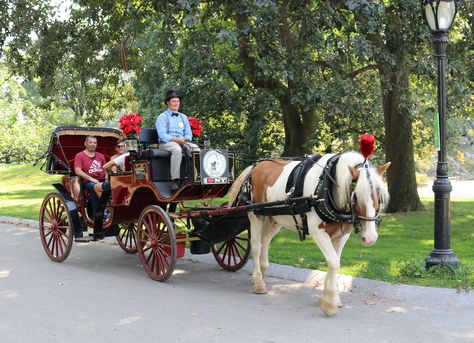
[(268, 77), (24, 127)]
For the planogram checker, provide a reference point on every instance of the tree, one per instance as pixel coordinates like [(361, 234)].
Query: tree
[(323, 69), (25, 127), (74, 62)]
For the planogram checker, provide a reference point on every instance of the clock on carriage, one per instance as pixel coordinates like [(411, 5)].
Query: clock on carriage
[(214, 166)]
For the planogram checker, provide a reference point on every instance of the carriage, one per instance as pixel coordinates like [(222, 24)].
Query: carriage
[(323, 196), (141, 211)]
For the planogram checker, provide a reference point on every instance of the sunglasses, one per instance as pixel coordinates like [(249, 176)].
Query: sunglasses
[(120, 146)]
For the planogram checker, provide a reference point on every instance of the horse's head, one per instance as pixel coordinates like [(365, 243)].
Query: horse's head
[(365, 193)]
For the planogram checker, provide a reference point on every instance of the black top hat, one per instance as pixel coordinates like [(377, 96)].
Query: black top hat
[(172, 94)]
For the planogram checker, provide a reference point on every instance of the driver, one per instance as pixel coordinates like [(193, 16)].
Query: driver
[(88, 164), (174, 134)]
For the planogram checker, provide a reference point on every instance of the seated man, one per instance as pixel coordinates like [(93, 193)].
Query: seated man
[(174, 134), (88, 165)]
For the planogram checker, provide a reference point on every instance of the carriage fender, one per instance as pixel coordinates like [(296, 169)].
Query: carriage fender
[(71, 208)]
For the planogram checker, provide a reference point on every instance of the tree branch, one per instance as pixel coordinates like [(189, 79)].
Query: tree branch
[(249, 62)]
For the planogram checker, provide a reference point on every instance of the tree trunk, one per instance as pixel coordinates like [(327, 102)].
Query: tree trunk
[(399, 139), (295, 134)]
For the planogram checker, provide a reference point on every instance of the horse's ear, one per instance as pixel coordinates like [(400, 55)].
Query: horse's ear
[(383, 168), (354, 172)]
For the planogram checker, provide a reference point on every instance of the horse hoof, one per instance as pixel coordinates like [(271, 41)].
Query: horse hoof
[(329, 309), (260, 289)]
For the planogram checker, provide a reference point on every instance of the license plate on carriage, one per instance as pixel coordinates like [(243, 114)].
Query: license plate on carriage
[(215, 180)]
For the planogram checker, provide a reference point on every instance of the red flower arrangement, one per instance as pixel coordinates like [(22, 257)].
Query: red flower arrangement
[(130, 123), (196, 126)]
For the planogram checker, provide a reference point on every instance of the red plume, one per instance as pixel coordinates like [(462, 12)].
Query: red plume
[(367, 144)]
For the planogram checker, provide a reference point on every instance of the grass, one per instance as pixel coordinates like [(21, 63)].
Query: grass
[(22, 189), (405, 240)]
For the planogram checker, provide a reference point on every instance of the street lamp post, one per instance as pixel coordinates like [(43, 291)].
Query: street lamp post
[(439, 15)]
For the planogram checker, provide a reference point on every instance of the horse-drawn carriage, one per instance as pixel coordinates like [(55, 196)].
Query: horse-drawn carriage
[(323, 196), (141, 211)]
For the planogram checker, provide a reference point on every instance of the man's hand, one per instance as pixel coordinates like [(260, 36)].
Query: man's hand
[(180, 141), (84, 176)]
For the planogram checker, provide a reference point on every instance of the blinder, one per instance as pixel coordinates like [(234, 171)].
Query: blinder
[(325, 206)]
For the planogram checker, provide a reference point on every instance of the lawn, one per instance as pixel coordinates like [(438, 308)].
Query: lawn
[(405, 240)]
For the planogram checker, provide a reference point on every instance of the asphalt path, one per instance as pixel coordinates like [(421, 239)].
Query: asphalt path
[(102, 294), (462, 189)]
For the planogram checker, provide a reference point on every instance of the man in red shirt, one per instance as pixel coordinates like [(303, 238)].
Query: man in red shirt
[(88, 165)]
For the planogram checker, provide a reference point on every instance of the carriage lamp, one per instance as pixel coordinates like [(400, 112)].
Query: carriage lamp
[(439, 15), (131, 143)]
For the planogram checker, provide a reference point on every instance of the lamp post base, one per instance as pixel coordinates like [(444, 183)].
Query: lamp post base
[(442, 257)]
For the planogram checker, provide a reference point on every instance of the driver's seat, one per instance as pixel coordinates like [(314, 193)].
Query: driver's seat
[(160, 158)]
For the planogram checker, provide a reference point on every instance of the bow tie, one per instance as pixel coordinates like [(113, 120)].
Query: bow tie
[(175, 114)]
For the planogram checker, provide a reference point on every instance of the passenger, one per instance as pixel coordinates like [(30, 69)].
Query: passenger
[(174, 134), (117, 162), (88, 165), (120, 150)]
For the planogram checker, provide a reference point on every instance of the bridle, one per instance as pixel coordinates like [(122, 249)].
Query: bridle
[(324, 204), (376, 218)]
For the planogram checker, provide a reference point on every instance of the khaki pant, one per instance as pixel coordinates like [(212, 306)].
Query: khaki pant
[(176, 155)]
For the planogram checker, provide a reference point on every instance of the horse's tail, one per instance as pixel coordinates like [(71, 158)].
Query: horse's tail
[(237, 185)]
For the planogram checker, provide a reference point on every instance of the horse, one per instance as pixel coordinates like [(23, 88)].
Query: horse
[(352, 191)]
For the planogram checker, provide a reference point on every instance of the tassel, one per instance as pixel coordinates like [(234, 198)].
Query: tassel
[(367, 145)]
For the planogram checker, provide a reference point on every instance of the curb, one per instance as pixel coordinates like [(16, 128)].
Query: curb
[(365, 287)]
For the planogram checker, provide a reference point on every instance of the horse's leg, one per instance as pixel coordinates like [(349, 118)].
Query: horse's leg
[(270, 229), (329, 302), (338, 245), (256, 226)]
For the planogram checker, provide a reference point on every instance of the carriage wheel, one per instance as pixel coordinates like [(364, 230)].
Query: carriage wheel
[(127, 238), (55, 227), (156, 243), (233, 254)]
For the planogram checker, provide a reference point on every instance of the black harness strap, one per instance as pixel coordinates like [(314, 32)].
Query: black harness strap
[(295, 182), (294, 188), (324, 204), (322, 200)]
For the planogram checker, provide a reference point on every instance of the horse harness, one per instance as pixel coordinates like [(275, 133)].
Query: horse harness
[(322, 201)]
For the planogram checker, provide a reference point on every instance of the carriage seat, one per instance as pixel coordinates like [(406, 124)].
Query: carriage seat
[(150, 137), (160, 158)]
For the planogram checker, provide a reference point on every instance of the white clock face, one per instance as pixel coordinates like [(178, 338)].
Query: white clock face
[(214, 163)]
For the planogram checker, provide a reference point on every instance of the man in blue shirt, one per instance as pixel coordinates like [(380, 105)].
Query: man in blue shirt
[(174, 134)]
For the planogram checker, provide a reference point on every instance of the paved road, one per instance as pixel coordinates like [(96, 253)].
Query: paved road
[(101, 294), (462, 189)]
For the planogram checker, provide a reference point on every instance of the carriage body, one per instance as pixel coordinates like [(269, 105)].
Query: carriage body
[(140, 193)]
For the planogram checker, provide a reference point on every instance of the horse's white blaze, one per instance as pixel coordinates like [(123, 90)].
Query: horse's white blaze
[(369, 233)]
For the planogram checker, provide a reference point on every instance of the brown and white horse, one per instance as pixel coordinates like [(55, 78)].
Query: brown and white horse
[(357, 186)]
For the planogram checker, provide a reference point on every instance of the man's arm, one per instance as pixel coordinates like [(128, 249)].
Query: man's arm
[(79, 172), (188, 134), (162, 129)]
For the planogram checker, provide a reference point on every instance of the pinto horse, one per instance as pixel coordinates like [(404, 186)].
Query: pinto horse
[(357, 192)]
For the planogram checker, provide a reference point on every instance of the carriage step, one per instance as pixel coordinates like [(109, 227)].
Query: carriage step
[(85, 239)]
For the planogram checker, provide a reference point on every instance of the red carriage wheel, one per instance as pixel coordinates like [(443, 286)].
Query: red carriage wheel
[(233, 254), (127, 237), (55, 227), (156, 243)]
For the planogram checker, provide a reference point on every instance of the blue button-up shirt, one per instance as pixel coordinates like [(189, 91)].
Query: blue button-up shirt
[(169, 126)]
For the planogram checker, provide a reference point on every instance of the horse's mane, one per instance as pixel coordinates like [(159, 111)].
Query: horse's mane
[(363, 188)]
